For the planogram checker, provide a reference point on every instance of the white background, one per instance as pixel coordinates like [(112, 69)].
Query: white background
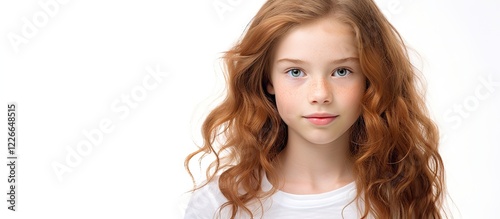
[(67, 76)]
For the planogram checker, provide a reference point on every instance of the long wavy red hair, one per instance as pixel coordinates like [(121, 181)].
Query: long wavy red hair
[(398, 170)]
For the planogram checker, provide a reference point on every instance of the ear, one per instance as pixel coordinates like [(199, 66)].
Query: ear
[(270, 88)]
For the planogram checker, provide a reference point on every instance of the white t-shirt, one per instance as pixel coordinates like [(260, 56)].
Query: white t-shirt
[(205, 203)]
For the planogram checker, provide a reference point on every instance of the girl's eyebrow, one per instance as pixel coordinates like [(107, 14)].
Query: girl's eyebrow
[(336, 62)]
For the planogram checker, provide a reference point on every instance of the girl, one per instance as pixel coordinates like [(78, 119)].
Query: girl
[(322, 119)]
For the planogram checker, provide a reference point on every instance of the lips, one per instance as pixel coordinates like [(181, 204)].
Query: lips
[(321, 118)]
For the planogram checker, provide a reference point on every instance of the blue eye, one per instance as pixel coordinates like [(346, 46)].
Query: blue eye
[(295, 73), (341, 72)]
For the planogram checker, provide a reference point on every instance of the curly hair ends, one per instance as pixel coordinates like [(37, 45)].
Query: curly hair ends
[(399, 172)]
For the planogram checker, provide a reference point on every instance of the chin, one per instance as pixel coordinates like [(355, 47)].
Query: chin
[(323, 141), (322, 138)]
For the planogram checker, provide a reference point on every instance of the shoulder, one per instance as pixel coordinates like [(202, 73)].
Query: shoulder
[(205, 202)]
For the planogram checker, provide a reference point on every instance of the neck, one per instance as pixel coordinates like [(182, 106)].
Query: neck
[(310, 168)]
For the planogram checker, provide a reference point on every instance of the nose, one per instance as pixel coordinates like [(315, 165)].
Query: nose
[(320, 91)]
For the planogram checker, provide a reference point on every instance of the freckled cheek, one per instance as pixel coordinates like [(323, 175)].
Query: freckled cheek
[(350, 98), (357, 96), (287, 103)]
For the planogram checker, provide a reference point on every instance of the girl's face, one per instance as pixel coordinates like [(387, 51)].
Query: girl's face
[(317, 81)]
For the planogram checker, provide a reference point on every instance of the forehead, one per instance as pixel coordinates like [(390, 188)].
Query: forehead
[(327, 38)]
